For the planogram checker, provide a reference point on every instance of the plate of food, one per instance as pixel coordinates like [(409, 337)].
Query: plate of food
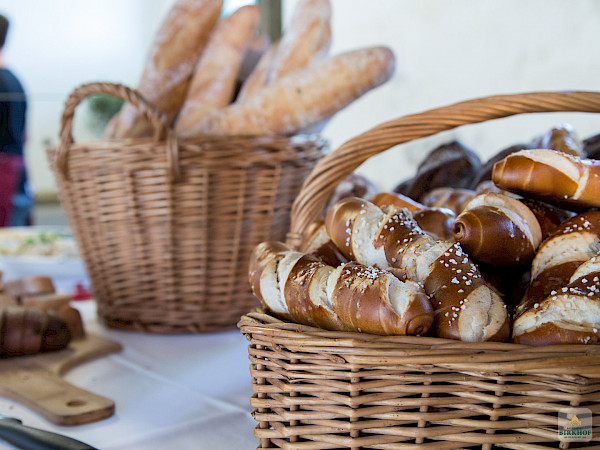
[(37, 250)]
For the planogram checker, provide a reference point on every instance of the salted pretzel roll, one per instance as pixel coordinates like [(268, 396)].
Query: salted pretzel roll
[(465, 306), (352, 297), (568, 315)]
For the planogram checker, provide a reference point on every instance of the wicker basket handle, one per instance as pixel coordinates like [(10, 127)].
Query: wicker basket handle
[(156, 118), (340, 163)]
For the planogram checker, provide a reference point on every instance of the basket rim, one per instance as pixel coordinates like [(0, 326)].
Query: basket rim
[(361, 350)]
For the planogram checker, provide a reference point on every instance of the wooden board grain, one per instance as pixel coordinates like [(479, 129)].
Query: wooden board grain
[(37, 382)]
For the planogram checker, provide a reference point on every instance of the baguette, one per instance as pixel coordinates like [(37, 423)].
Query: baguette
[(212, 84), (305, 97), (258, 76), (177, 46), (465, 306), (498, 229), (299, 287), (551, 176), (306, 39)]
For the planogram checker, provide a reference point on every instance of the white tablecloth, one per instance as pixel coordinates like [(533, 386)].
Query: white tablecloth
[(171, 392)]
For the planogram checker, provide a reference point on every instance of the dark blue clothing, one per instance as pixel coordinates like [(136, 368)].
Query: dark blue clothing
[(13, 106)]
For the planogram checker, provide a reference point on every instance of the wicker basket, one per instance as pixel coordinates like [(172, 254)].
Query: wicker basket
[(318, 389), (165, 228)]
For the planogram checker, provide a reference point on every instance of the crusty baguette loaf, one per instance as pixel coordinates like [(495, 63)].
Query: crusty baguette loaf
[(305, 39), (258, 77), (352, 297), (305, 97), (465, 306), (551, 176), (27, 331), (498, 229), (558, 258), (177, 46), (212, 84)]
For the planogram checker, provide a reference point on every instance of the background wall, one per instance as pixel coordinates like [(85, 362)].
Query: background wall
[(446, 51)]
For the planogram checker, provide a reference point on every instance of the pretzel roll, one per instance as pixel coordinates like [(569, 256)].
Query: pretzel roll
[(561, 138), (568, 315), (354, 185), (448, 165), (395, 199), (551, 176), (591, 147), (29, 285), (438, 222), (351, 297), (548, 216), (498, 229), (317, 242), (465, 306), (447, 197), (485, 171), (558, 257)]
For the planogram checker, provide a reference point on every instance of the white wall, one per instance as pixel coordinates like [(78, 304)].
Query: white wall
[(446, 51)]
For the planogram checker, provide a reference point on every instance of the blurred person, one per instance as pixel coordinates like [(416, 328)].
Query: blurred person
[(15, 197)]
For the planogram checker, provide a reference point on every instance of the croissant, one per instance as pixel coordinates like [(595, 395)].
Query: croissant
[(27, 331)]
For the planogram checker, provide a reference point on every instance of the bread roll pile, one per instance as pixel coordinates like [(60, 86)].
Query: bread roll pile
[(220, 76), (503, 250)]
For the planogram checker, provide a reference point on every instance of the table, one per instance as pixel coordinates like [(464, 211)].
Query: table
[(171, 392)]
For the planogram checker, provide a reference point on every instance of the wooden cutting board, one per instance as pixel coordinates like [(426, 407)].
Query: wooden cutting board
[(36, 382)]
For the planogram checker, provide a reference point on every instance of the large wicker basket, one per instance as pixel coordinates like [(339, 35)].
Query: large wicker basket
[(318, 389), (165, 227)]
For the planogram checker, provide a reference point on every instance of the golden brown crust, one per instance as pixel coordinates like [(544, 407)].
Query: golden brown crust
[(395, 199), (303, 98), (551, 176), (212, 84), (554, 334), (177, 46)]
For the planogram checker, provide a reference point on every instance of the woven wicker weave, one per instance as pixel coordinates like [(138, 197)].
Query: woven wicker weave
[(318, 389), (165, 228)]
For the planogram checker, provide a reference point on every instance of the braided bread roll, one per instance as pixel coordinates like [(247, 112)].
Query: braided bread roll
[(352, 297), (465, 306), (551, 176), (498, 229)]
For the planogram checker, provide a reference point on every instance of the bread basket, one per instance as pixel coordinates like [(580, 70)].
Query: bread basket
[(317, 389), (165, 227)]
